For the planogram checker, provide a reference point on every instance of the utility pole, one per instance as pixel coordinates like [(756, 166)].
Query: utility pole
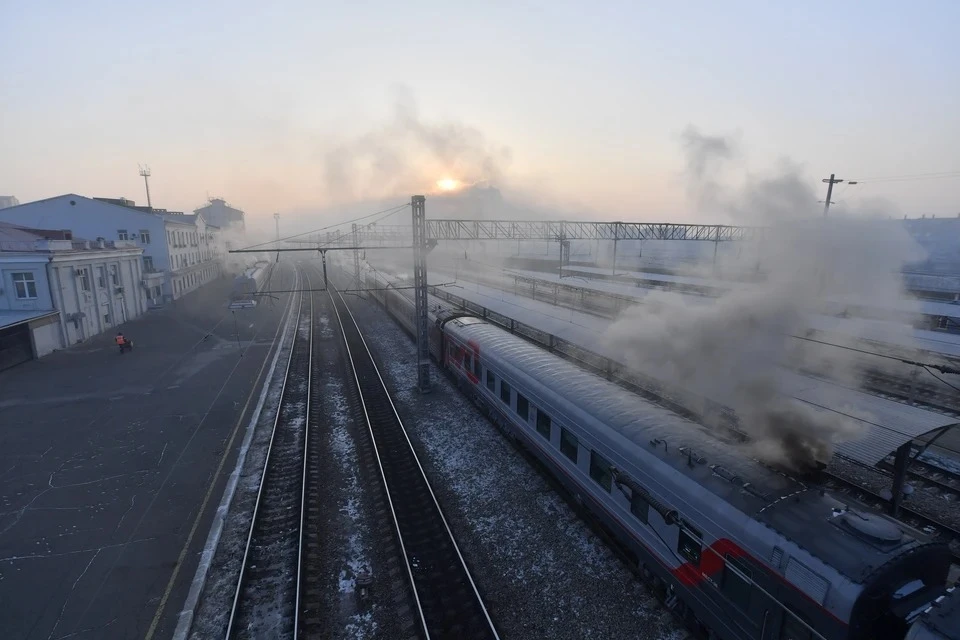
[(356, 258), (145, 172), (276, 218), (420, 248), (832, 180)]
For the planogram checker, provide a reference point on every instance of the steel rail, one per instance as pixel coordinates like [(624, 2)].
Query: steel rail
[(270, 463), (434, 607)]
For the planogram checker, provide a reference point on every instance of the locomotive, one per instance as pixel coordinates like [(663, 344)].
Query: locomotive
[(736, 548)]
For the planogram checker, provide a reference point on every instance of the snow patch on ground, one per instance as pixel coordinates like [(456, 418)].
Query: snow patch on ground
[(948, 464), (356, 552)]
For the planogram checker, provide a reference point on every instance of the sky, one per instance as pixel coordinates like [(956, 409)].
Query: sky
[(574, 107)]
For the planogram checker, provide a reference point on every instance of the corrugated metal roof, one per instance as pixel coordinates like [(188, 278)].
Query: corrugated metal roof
[(888, 424)]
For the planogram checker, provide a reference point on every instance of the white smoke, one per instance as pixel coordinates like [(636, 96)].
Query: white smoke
[(409, 154), (735, 350)]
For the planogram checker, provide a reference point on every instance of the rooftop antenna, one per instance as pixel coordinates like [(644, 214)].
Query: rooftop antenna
[(145, 172)]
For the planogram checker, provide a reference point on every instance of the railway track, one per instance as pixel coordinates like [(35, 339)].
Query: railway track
[(926, 475), (447, 602), (910, 516), (265, 602)]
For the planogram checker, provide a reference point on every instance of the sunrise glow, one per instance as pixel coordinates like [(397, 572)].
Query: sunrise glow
[(448, 184)]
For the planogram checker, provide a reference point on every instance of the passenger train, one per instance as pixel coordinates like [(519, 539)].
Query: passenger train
[(738, 549), (250, 282)]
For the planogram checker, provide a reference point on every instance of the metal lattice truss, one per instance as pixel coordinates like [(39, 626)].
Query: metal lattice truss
[(544, 230)]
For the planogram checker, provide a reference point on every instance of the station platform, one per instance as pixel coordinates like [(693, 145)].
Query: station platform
[(937, 343), (111, 466), (887, 424)]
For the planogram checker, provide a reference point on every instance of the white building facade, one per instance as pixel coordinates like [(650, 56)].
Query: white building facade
[(56, 292), (170, 264)]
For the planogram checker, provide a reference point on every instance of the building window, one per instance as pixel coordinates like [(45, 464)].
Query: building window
[(505, 391), (569, 445), (169, 238), (114, 277), (689, 545), (523, 407), (491, 381), (600, 470), (101, 277), (148, 264), (543, 424), (639, 507), (122, 234), (736, 582), (84, 275), (25, 286), (144, 236)]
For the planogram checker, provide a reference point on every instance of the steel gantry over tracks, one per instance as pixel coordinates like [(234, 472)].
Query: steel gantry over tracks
[(541, 230)]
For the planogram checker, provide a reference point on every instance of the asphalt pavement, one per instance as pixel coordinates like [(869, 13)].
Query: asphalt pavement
[(106, 459)]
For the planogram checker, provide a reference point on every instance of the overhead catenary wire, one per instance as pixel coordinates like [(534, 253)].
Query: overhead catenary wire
[(941, 379), (388, 212), (939, 367), (908, 177)]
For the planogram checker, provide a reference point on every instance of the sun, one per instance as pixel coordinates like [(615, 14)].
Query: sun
[(448, 184)]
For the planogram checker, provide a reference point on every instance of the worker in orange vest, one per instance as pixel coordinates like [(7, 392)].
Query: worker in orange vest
[(120, 339)]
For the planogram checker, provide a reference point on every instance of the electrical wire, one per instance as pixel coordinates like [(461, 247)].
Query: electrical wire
[(917, 176), (938, 367), (389, 212), (940, 379)]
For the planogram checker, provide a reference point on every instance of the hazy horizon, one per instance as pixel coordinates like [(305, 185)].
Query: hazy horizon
[(581, 111)]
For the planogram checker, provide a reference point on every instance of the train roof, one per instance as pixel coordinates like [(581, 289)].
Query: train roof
[(634, 419), (629, 422)]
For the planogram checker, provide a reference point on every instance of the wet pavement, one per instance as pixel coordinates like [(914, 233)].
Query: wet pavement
[(107, 459)]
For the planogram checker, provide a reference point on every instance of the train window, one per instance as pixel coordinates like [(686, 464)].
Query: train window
[(543, 424), (523, 407), (476, 365), (505, 391), (639, 507), (466, 360), (689, 545), (491, 381), (793, 627), (569, 446), (600, 470), (737, 589)]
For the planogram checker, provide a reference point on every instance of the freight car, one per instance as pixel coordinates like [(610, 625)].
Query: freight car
[(737, 548)]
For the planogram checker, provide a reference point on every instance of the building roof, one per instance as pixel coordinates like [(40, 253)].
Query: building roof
[(19, 239), (13, 318), (108, 202)]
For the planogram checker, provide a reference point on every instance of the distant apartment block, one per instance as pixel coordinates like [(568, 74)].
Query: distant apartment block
[(219, 213)]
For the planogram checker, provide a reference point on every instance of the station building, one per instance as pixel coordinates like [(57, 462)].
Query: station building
[(180, 252), (56, 290)]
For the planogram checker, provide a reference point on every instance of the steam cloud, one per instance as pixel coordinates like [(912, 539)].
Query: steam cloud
[(408, 155), (735, 350)]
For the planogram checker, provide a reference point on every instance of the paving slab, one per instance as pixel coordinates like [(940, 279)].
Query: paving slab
[(106, 460)]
